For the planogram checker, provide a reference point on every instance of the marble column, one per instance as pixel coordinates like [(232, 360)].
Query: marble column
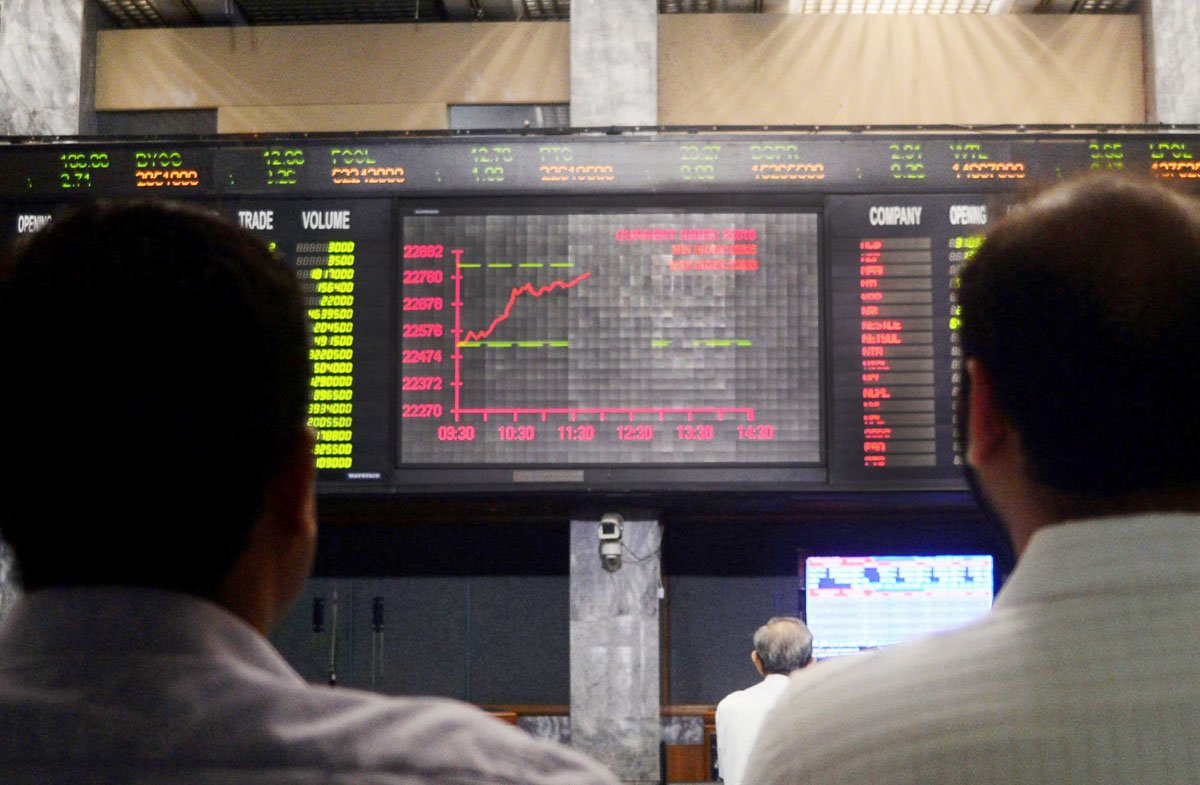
[(41, 55), (614, 62), (8, 583), (615, 651), (41, 52), (1172, 61)]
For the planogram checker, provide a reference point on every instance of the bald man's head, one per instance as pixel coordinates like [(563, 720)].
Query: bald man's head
[(783, 645)]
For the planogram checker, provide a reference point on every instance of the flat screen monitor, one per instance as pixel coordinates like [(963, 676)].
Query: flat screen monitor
[(857, 603), (593, 336)]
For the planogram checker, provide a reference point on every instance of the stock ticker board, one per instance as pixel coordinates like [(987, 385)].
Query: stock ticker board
[(614, 311), (610, 337)]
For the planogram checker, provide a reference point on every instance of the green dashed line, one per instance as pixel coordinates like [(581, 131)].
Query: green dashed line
[(507, 265), (660, 344), (714, 343)]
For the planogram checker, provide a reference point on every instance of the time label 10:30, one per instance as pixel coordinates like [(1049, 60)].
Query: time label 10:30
[(577, 432)]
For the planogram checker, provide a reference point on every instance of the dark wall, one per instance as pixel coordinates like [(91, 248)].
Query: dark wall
[(504, 639), (476, 595), (158, 122), (711, 621), (484, 639)]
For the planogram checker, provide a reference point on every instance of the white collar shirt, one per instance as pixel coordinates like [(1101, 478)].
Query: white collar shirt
[(1087, 671), (138, 686), (740, 715)]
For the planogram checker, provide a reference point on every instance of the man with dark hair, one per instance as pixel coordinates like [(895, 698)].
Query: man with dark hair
[(158, 494), (1080, 325), (781, 646)]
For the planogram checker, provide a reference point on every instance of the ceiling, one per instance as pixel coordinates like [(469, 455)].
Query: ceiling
[(180, 13)]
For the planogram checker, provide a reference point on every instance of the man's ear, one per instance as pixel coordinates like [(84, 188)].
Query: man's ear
[(291, 498), (987, 425), (757, 662)]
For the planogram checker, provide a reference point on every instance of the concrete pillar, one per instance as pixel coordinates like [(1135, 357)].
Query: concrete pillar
[(41, 53), (1172, 61), (8, 583), (614, 62), (615, 651)]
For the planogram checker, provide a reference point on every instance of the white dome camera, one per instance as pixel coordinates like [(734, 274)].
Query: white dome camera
[(610, 541)]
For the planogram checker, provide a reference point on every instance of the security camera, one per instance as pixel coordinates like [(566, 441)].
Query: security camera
[(610, 541)]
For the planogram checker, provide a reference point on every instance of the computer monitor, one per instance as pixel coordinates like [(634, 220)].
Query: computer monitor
[(856, 603)]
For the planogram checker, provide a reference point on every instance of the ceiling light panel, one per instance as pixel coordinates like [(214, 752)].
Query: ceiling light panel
[(1106, 6), (308, 12), (547, 9), (132, 13)]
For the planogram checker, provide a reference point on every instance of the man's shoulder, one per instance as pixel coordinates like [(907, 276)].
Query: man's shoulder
[(205, 714), (436, 737), (733, 700), (847, 708), (292, 733), (915, 671), (755, 698)]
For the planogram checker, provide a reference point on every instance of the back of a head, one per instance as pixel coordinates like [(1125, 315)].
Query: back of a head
[(1083, 306), (783, 644), (156, 376)]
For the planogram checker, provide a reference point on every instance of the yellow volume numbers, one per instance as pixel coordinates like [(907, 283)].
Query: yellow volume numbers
[(331, 412)]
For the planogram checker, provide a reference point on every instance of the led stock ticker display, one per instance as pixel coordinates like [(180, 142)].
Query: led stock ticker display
[(341, 254), (743, 310), (610, 337), (895, 355), (78, 170), (685, 163)]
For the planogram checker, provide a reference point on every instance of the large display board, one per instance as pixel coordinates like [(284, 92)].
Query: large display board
[(342, 254), (610, 337), (572, 164), (894, 319), (668, 311)]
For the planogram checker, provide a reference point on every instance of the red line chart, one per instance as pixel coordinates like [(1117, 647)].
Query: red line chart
[(463, 337), (512, 300)]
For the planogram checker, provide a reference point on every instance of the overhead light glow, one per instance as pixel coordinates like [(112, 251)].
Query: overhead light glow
[(947, 6), (891, 6)]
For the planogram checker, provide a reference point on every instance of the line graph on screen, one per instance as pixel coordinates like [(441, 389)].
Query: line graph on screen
[(471, 339)]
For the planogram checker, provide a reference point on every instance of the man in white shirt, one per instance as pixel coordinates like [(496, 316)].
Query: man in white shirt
[(1079, 331), (781, 646), (159, 498)]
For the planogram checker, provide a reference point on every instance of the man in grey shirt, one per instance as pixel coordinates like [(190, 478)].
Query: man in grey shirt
[(159, 497), (1079, 336)]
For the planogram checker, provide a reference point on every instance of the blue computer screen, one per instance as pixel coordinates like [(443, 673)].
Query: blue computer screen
[(854, 603)]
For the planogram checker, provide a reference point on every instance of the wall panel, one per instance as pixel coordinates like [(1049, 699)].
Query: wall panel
[(734, 69), (333, 77), (731, 69)]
